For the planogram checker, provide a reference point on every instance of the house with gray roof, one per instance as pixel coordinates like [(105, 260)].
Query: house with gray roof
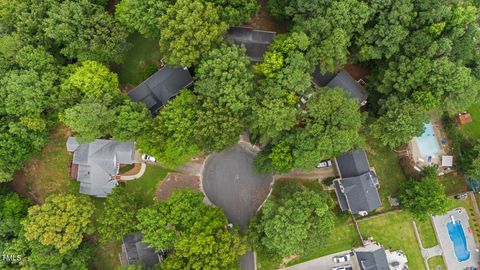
[(372, 257), (256, 42), (343, 80), (135, 251), (357, 187), (164, 85), (95, 165)]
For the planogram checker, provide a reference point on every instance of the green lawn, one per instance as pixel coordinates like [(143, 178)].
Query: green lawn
[(386, 164), (343, 237), (454, 183), (395, 231), (436, 261), (147, 184), (141, 60), (472, 130), (427, 233)]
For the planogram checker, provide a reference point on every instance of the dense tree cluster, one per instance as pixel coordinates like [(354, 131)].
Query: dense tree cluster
[(187, 29), (38, 38), (424, 197), (302, 124), (14, 237), (197, 234), (295, 219)]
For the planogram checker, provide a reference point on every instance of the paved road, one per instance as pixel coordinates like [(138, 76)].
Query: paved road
[(229, 182)]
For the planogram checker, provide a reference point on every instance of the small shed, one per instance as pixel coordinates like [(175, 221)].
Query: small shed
[(447, 161), (464, 118)]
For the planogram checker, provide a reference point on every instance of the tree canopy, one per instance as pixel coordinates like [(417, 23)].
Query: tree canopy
[(60, 222), (424, 197), (296, 219), (197, 234)]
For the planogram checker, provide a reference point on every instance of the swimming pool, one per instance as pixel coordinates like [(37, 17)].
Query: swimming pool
[(457, 235), (428, 143)]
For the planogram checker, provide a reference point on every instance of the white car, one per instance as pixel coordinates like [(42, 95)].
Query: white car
[(148, 158), (325, 164), (343, 267), (341, 258)]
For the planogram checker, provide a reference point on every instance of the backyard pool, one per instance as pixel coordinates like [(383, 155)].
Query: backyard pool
[(457, 235), (428, 143)]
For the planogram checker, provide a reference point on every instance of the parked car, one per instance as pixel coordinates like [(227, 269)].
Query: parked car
[(148, 158), (343, 267), (462, 196), (325, 164), (341, 258)]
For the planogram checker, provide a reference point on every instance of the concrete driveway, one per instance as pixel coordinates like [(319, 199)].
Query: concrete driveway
[(323, 263), (230, 182)]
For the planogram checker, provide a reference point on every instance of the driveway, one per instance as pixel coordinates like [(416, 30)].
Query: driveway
[(323, 263), (230, 182)]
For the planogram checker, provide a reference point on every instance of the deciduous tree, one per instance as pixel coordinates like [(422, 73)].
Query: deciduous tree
[(60, 222)]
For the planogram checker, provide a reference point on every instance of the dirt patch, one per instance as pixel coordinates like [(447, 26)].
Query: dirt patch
[(133, 171), (357, 71), (48, 173), (264, 21), (175, 181)]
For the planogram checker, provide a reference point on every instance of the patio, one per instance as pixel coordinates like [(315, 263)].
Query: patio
[(449, 250)]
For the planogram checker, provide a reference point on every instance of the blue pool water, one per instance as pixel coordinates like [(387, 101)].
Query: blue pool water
[(457, 235), (427, 143)]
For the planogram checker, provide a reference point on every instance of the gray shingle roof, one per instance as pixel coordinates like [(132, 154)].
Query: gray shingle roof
[(256, 42), (138, 252), (372, 260), (353, 163), (359, 191), (342, 80), (156, 91), (98, 164)]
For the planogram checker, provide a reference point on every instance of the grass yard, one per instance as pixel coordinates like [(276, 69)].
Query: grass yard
[(147, 184), (427, 233), (454, 183), (395, 231), (472, 130), (141, 60), (436, 261), (390, 173)]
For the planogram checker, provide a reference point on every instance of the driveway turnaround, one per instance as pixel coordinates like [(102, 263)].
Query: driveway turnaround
[(230, 182)]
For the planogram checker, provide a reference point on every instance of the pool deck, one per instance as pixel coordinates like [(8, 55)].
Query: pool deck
[(440, 224)]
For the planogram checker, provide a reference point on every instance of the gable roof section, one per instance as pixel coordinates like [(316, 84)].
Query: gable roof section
[(138, 252), (353, 163), (98, 164), (372, 260), (343, 80), (255, 41), (358, 193), (156, 91)]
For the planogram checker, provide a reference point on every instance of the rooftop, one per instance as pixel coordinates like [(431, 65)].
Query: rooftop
[(255, 41), (134, 251), (98, 164), (156, 91)]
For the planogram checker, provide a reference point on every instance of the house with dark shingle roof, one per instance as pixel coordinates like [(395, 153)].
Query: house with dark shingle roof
[(164, 85), (137, 252), (97, 164), (357, 187), (372, 257), (256, 42), (343, 80)]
